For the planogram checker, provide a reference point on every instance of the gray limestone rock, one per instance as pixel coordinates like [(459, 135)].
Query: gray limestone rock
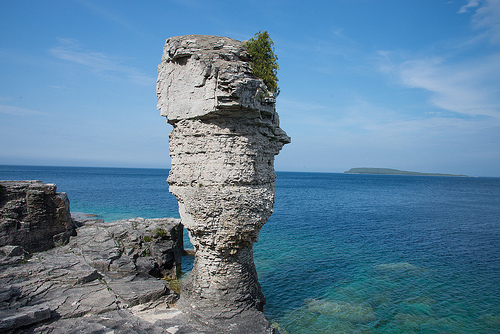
[(225, 136), (12, 254), (200, 74), (33, 215), (119, 321), (124, 247), (94, 274), (128, 321), (24, 317), (59, 282)]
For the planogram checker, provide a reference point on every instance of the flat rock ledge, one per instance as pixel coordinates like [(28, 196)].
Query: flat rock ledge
[(100, 282)]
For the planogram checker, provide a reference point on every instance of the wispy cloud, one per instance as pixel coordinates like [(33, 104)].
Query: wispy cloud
[(368, 134), (487, 17), (470, 4), (17, 111), (469, 88), (365, 125), (110, 15), (100, 63), (465, 85)]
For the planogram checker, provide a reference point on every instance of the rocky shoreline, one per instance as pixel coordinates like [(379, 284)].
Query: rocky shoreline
[(92, 276), (93, 285), (101, 281)]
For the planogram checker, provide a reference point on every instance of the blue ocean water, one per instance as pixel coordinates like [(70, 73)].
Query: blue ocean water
[(343, 253)]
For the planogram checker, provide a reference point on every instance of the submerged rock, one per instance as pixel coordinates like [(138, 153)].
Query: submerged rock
[(354, 313), (225, 136)]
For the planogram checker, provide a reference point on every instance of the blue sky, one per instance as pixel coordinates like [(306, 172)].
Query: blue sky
[(412, 84)]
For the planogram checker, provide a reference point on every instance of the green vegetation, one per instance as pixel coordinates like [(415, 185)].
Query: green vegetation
[(161, 233), (264, 62), (102, 280), (174, 285), (147, 238), (390, 171)]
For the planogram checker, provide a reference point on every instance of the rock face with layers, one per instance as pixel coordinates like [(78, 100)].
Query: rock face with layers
[(225, 136), (107, 268), (34, 215), (133, 246)]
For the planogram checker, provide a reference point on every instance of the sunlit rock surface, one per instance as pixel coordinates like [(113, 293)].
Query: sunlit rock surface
[(225, 136)]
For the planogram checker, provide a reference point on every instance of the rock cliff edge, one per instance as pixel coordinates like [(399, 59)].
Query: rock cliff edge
[(225, 136), (34, 215)]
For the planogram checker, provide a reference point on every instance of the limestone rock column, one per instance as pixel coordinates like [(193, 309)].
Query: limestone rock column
[(225, 136)]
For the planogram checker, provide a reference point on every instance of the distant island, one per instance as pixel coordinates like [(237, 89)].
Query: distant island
[(390, 171)]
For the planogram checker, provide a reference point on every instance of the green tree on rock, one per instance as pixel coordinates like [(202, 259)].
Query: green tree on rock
[(264, 62)]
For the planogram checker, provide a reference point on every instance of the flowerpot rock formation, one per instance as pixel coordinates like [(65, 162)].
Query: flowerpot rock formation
[(225, 136)]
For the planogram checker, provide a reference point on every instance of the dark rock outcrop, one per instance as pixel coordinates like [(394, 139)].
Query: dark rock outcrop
[(225, 136), (34, 215), (99, 271)]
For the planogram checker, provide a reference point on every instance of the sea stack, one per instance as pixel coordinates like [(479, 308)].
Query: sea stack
[(225, 136)]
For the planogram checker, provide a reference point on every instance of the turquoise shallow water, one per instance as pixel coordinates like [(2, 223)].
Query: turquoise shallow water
[(344, 253)]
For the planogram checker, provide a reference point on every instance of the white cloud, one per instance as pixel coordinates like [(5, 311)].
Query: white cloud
[(17, 111), (469, 88), (487, 17), (470, 4), (70, 50), (465, 80)]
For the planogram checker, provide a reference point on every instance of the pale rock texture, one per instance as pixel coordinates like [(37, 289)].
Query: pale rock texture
[(34, 215), (225, 136)]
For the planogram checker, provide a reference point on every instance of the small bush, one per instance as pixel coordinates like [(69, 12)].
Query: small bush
[(264, 62), (174, 285), (161, 233)]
